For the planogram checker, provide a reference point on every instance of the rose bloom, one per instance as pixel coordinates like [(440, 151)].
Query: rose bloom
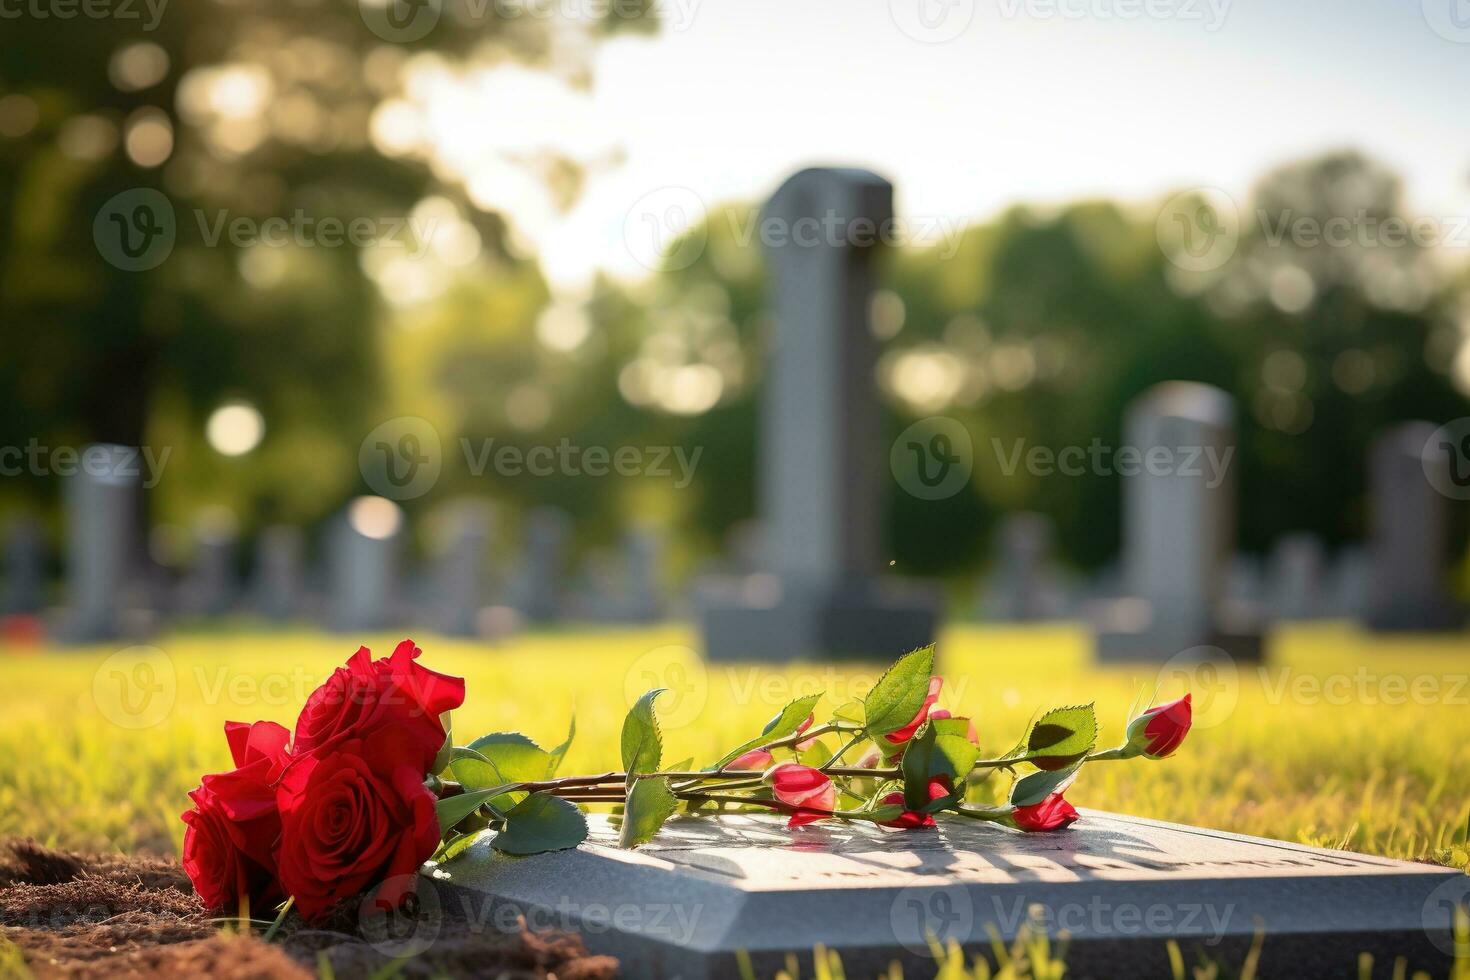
[(366, 695), (1052, 813), (907, 731), (231, 833), (1160, 730), (939, 787), (806, 793), (755, 759), (353, 816)]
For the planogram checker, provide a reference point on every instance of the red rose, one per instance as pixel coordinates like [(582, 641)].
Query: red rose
[(907, 731), (367, 695), (757, 759), (232, 831), (1157, 732), (354, 816), (1052, 813), (806, 793), (939, 787)]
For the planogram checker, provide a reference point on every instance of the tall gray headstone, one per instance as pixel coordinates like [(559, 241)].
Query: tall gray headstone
[(463, 569), (279, 585), (821, 466), (1178, 527), (25, 569), (102, 542), (1350, 583), (363, 555), (1296, 578), (1022, 586), (626, 587), (541, 584), (1410, 533)]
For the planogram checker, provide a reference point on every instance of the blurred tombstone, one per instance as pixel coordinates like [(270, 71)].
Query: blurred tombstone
[(541, 583), (463, 569), (626, 587), (25, 569), (279, 586), (821, 454), (1410, 533), (210, 585), (1295, 578), (363, 554), (102, 543), (1022, 586), (1178, 529), (1349, 583)]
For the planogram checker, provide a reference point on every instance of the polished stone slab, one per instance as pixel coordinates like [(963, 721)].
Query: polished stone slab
[(1119, 887)]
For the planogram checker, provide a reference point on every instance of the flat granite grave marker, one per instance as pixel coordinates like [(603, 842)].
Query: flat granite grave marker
[(681, 907), (821, 443)]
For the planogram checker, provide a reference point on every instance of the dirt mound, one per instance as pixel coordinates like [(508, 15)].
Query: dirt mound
[(82, 915)]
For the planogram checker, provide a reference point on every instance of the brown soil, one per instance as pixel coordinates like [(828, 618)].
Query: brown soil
[(75, 915)]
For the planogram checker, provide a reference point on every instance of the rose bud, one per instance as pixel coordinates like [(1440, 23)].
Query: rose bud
[(972, 734), (907, 731), (358, 815), (366, 695), (756, 759), (870, 759), (939, 787), (231, 833), (808, 743), (1157, 732), (1052, 813), (807, 794)]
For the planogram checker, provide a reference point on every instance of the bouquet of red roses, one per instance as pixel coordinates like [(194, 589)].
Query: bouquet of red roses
[(370, 784)]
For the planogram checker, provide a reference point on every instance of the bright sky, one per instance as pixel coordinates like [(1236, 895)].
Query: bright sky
[(1029, 100)]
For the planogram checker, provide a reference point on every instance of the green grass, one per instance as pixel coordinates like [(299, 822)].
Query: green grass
[(1342, 740)]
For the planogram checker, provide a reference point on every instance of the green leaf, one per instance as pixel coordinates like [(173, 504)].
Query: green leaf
[(560, 752), (1032, 789), (851, 711), (517, 757), (1061, 737), (785, 722), (472, 770), (899, 694), (442, 759), (457, 846), (930, 754), (451, 810), (541, 823), (650, 803), (642, 743)]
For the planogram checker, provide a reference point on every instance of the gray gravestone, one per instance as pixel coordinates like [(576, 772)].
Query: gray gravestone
[(363, 556), (821, 466), (542, 579), (1296, 578), (463, 569), (211, 584), (1349, 583), (1178, 528), (25, 569), (102, 543), (1410, 539), (627, 587), (1022, 586), (681, 907), (280, 572)]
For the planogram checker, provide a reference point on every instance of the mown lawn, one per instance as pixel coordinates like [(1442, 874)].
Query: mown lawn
[(1342, 740)]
